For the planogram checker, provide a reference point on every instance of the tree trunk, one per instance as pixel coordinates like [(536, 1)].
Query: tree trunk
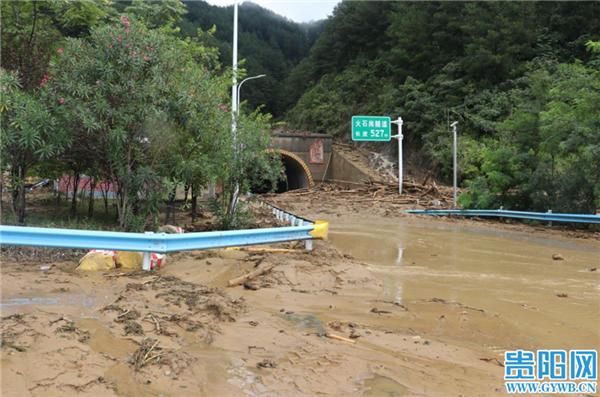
[(15, 191), (186, 190), (74, 199), (195, 189), (91, 203), (170, 213), (19, 195), (105, 197)]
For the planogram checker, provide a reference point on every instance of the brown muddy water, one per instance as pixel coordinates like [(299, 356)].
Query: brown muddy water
[(433, 306), (537, 301)]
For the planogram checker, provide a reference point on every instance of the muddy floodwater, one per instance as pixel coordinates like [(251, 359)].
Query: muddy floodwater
[(545, 290), (387, 307)]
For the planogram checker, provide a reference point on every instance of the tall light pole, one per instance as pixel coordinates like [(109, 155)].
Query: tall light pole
[(239, 88), (454, 150), (234, 104), (234, 91)]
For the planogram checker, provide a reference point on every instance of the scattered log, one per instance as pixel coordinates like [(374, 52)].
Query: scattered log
[(249, 276), (262, 249), (341, 338)]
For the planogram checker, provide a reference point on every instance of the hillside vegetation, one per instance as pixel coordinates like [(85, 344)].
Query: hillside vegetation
[(522, 79), (268, 44)]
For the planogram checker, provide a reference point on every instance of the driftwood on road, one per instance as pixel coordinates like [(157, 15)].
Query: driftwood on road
[(262, 269)]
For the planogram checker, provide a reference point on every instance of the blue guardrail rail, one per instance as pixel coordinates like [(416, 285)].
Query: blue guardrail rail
[(538, 216)]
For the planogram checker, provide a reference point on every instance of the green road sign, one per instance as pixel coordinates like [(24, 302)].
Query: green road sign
[(371, 128)]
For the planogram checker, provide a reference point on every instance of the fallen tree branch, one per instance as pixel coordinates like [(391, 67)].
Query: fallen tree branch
[(337, 337), (249, 276)]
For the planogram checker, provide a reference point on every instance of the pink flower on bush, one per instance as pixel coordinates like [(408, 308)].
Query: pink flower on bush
[(119, 38), (61, 100), (60, 50), (97, 82), (45, 80), (224, 107), (146, 58)]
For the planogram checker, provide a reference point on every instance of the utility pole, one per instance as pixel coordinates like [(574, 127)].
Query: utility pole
[(400, 137), (234, 104), (454, 150)]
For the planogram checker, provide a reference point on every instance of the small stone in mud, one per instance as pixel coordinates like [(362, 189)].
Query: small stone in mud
[(252, 285), (335, 325), (267, 363), (253, 323), (593, 269), (289, 312), (562, 295), (281, 310), (557, 257), (354, 334), (426, 342)]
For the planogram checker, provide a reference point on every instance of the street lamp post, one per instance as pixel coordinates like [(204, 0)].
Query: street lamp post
[(455, 163), (239, 88), (234, 103)]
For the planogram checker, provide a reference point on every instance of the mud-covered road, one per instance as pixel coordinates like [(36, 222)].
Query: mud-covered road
[(390, 306)]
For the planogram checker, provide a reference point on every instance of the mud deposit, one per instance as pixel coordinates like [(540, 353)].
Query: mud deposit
[(403, 307)]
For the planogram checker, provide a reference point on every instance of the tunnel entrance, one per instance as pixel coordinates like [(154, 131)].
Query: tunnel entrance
[(294, 174)]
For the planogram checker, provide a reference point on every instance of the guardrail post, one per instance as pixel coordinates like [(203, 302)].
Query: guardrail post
[(146, 265), (308, 244), (550, 223)]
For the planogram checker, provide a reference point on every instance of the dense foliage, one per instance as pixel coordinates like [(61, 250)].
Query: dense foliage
[(125, 100), (517, 76)]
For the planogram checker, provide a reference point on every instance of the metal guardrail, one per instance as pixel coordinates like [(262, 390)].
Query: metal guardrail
[(148, 242), (538, 216), (300, 229)]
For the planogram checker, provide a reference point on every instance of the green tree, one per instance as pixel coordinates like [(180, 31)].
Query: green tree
[(116, 87), (29, 136)]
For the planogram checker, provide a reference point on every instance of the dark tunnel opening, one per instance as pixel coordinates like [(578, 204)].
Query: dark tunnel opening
[(293, 177)]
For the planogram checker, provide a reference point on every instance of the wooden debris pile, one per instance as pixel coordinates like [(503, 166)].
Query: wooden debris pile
[(427, 194)]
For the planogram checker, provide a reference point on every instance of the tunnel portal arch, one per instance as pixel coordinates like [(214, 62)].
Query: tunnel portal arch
[(298, 175)]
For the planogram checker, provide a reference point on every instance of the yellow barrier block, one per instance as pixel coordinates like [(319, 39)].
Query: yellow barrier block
[(320, 230), (129, 259), (97, 261)]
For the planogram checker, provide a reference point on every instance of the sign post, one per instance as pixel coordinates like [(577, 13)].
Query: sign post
[(400, 137), (379, 129), (455, 163)]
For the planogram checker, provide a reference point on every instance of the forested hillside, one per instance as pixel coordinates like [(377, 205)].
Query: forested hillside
[(269, 44), (522, 79)]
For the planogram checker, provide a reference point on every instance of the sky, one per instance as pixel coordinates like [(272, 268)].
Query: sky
[(296, 10)]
